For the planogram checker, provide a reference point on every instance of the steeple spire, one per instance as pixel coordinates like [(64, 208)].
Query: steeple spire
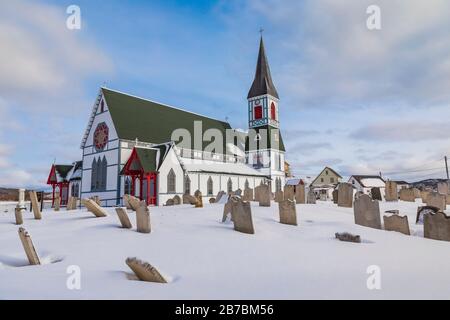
[(262, 84)]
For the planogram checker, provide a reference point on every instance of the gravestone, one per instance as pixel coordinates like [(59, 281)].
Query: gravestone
[(348, 237), (169, 202), (424, 195), (35, 205), (212, 200), (279, 196), (123, 218), (176, 200), (241, 215), (21, 203), (70, 204), (248, 194), (367, 212), (288, 214), (57, 204), (311, 198), (227, 210), (376, 194), (238, 192), (391, 192), (94, 208), (264, 196), (219, 196), (442, 188), (28, 246), (345, 195), (407, 194), (188, 199), (422, 211), (437, 200), (289, 193), (358, 194), (97, 200), (143, 218), (145, 271), (335, 196), (416, 193), (126, 202), (199, 199), (437, 226), (396, 223), (300, 194), (18, 215), (131, 201)]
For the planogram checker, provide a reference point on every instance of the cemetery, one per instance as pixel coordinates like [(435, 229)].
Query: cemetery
[(227, 248)]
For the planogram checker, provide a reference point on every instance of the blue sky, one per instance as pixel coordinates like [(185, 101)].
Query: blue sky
[(359, 101)]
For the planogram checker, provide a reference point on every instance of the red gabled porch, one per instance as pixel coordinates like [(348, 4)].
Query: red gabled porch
[(59, 184)]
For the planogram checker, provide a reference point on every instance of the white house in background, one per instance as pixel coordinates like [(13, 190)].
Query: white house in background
[(401, 184), (365, 183), (325, 183)]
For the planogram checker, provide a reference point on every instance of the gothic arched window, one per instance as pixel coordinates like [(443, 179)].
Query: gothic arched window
[(229, 185), (171, 182), (246, 185), (210, 186), (187, 185), (93, 175), (104, 166), (273, 111), (127, 189)]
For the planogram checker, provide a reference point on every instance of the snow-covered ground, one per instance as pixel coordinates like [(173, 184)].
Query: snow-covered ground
[(206, 259)]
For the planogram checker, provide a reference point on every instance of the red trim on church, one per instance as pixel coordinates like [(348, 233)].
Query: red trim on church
[(147, 181), (62, 187)]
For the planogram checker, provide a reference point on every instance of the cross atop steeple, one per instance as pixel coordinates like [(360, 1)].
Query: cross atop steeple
[(261, 30)]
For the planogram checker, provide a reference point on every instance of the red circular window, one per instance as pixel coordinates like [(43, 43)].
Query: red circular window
[(101, 136)]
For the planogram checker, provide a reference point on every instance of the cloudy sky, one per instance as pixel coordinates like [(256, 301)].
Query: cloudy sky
[(357, 100)]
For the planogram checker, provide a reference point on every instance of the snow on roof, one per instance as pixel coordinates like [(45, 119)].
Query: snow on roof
[(195, 165), (370, 181), (293, 181)]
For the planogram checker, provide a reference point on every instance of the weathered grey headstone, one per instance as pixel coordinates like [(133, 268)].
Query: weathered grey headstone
[(35, 205), (131, 202), (396, 223), (145, 271), (57, 204), (376, 194), (300, 196), (176, 200), (28, 246), (437, 226), (279, 196), (345, 195), (241, 214), (238, 192), (348, 237), (367, 212), (212, 200), (257, 193), (248, 194), (424, 195), (407, 194), (391, 192), (289, 192), (199, 198), (335, 196), (288, 214), (143, 218), (437, 200), (442, 188), (169, 202), (126, 202), (422, 211), (97, 200), (311, 198), (123, 218), (188, 199), (358, 194), (264, 196), (94, 208), (18, 215)]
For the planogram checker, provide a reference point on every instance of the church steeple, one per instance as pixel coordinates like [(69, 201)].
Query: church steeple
[(262, 84)]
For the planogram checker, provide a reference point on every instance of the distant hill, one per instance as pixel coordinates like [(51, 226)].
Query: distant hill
[(7, 194), (428, 183)]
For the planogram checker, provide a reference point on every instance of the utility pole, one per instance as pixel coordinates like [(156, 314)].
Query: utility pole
[(446, 167)]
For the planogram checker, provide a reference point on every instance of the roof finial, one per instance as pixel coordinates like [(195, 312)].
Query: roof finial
[(261, 30)]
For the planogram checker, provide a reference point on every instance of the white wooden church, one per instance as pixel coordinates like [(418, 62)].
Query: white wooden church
[(128, 148)]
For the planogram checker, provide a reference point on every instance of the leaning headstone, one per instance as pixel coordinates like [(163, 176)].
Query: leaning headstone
[(437, 226), (348, 237), (97, 200), (376, 194), (391, 192), (248, 194), (289, 193), (28, 246), (94, 208), (199, 199), (176, 200), (143, 218), (335, 196), (18, 215), (279, 196), (442, 188), (241, 214), (145, 271), (219, 196), (396, 223), (35, 205), (126, 202), (169, 202), (188, 199), (407, 194), (311, 198), (227, 208), (123, 218), (264, 196), (300, 194), (57, 205), (437, 200), (422, 211), (345, 195), (367, 212), (288, 214), (69, 203)]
